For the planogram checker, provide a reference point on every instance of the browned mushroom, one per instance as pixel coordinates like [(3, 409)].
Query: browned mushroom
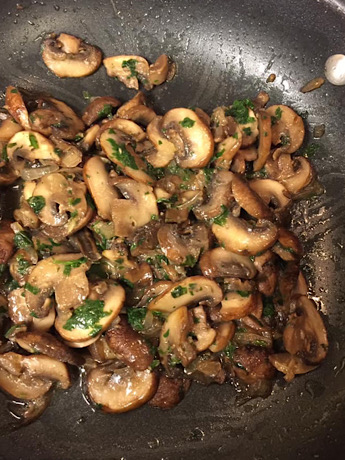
[(128, 346), (248, 199), (99, 107), (224, 333), (16, 107), (265, 139), (158, 71), (8, 127), (170, 392), (129, 69), (252, 364), (219, 262), (287, 128), (69, 56), (305, 334), (288, 246), (6, 241), (164, 150), (290, 365)]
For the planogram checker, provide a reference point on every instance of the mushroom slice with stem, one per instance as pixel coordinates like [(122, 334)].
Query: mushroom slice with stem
[(116, 146), (64, 273), (192, 138), (238, 236), (305, 334), (249, 129), (69, 56), (136, 110), (100, 107), (288, 246), (287, 128), (175, 343), (290, 365), (93, 316), (129, 69), (220, 196), (227, 150), (158, 72), (120, 390), (170, 392), (238, 303), (265, 139), (192, 290), (272, 193), (16, 107), (302, 175), (164, 150), (129, 346), (219, 262), (47, 344), (30, 377), (97, 180), (248, 199), (205, 335), (132, 130), (139, 209), (30, 146), (224, 333), (238, 164)]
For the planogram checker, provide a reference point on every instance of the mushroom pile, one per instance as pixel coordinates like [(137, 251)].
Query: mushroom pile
[(151, 250)]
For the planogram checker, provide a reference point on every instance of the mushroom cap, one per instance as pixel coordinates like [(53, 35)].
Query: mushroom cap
[(164, 150), (288, 124), (120, 390), (69, 56), (219, 262), (96, 108), (191, 137)]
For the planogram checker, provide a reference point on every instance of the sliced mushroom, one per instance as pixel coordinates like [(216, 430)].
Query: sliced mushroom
[(301, 176), (170, 392), (288, 246), (94, 315), (238, 164), (129, 69), (8, 127), (97, 181), (190, 291), (227, 150), (16, 107), (69, 154), (224, 333), (129, 346), (268, 272), (219, 262), (136, 211), (191, 137), (164, 150), (205, 335), (237, 304), (101, 351), (99, 107), (272, 193), (206, 369), (240, 237), (174, 340), (64, 273), (248, 199), (305, 334), (69, 56), (220, 196), (265, 139), (30, 146), (287, 127), (120, 390), (21, 264), (158, 71), (128, 127), (29, 377), (120, 152), (290, 365), (6, 241)]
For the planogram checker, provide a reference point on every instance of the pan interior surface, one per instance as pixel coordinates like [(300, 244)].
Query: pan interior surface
[(224, 50)]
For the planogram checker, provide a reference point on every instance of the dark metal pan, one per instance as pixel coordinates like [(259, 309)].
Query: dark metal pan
[(224, 49)]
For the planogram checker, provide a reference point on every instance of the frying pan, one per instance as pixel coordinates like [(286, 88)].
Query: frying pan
[(224, 49)]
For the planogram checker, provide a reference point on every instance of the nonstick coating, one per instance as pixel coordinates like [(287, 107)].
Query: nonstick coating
[(224, 49)]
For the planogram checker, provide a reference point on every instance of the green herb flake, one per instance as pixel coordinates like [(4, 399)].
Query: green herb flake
[(240, 111), (178, 291), (166, 334), (74, 202), (160, 142), (128, 283), (23, 265), (174, 361), (33, 289), (189, 261), (11, 330), (58, 151), (33, 314), (4, 155), (14, 91), (268, 307), (311, 150), (154, 217), (229, 350), (285, 140), (87, 316), (243, 293), (187, 122), (247, 131), (155, 363), (122, 155), (278, 114), (221, 219), (69, 264), (136, 317), (37, 203), (33, 141), (208, 172), (22, 240), (78, 137), (86, 95), (130, 64), (106, 111), (260, 343), (235, 135), (158, 314)]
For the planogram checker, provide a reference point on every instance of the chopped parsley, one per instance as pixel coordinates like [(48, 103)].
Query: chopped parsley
[(166, 334), (268, 307), (69, 264), (277, 116), (155, 363), (247, 131), (240, 111), (243, 293), (189, 261), (106, 111), (33, 289), (23, 265), (4, 155), (260, 343), (187, 122), (74, 202), (87, 316), (208, 172), (86, 95), (78, 137), (58, 151), (128, 283), (131, 66), (221, 219), (12, 329), (136, 317), (285, 140), (310, 150), (122, 155), (229, 350), (178, 291), (22, 240), (14, 91), (33, 141), (37, 203)]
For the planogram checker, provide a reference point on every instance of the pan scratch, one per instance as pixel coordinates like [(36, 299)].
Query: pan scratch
[(113, 6)]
